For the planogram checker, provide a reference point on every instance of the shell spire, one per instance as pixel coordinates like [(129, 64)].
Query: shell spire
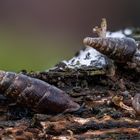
[(119, 49)]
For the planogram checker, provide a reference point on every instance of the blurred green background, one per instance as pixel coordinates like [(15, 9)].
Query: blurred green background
[(32, 52), (35, 35)]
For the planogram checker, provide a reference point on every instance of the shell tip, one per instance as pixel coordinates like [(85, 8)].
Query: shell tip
[(86, 40)]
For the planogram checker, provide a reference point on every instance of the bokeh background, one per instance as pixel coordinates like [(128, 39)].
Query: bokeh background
[(37, 34)]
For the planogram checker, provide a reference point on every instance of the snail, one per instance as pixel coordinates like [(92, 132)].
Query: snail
[(121, 50), (38, 95)]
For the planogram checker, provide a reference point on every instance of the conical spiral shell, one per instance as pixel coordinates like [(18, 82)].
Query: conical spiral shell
[(119, 49), (36, 94)]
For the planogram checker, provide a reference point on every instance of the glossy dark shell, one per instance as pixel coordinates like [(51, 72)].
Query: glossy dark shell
[(36, 94)]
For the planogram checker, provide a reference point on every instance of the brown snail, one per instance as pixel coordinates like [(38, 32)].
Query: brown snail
[(35, 94), (121, 50)]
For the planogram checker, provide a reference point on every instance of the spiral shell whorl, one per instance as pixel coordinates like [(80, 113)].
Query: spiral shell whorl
[(36, 94), (6, 79), (119, 49)]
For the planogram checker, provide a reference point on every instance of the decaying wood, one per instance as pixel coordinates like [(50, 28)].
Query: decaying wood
[(99, 111), (127, 133), (101, 31), (79, 125)]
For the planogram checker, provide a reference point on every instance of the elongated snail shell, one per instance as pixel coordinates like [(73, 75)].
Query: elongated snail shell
[(35, 94), (119, 49)]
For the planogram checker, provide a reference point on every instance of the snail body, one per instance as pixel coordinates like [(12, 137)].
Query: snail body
[(119, 49), (35, 94)]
